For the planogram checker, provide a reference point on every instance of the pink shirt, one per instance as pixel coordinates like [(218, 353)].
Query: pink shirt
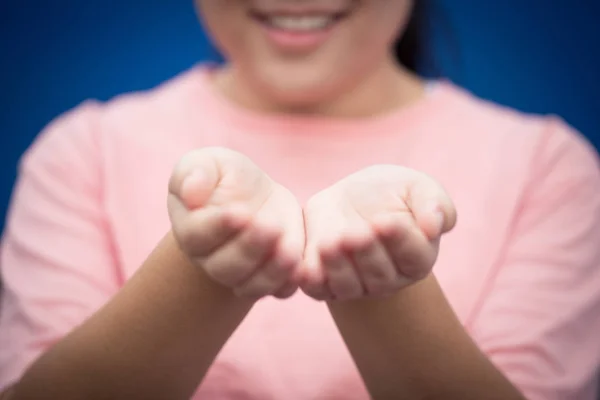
[(521, 269)]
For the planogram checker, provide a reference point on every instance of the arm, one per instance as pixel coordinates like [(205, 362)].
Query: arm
[(156, 338), (162, 332), (539, 322), (411, 346)]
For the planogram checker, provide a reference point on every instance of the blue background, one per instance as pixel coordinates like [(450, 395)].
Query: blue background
[(535, 55)]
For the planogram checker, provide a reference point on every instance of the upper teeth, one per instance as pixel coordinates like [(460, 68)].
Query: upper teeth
[(300, 23)]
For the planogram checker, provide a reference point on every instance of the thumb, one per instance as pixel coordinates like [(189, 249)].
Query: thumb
[(195, 177), (431, 206)]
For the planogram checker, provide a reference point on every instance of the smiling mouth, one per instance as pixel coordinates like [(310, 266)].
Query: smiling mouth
[(299, 23)]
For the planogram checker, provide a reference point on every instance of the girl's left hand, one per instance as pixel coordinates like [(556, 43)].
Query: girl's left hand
[(373, 233)]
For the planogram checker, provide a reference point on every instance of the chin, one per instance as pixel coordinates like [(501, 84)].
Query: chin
[(301, 95)]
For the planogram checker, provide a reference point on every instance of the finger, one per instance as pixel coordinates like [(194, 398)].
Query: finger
[(313, 280), (431, 206), (312, 276), (283, 265), (342, 279), (311, 273), (318, 291), (293, 244), (371, 261), (410, 251), (201, 232), (286, 291), (235, 261), (268, 278), (195, 177)]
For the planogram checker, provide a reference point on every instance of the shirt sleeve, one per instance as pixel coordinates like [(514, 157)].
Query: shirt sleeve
[(57, 261), (540, 323)]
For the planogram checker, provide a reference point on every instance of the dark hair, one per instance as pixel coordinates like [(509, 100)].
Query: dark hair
[(414, 48), (410, 46)]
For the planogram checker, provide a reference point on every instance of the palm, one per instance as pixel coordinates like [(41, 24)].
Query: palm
[(377, 191), (244, 229), (374, 231), (243, 182)]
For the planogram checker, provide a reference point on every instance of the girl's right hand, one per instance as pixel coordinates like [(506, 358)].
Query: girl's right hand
[(244, 230)]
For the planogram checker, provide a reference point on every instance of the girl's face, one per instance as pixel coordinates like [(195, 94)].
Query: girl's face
[(304, 52)]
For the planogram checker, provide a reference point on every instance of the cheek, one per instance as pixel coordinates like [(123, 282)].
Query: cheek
[(355, 49), (224, 21), (389, 17)]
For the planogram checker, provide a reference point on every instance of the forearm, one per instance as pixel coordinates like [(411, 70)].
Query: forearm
[(155, 340), (412, 346)]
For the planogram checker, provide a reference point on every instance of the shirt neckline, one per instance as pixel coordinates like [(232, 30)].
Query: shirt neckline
[(404, 117)]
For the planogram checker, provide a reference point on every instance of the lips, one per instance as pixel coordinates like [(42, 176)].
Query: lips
[(298, 30), (299, 22)]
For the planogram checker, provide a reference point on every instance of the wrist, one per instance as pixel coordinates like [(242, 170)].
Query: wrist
[(405, 294), (192, 272)]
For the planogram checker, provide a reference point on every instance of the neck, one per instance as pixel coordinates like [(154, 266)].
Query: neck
[(383, 90)]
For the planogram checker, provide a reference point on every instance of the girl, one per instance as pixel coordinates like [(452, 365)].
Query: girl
[(312, 95)]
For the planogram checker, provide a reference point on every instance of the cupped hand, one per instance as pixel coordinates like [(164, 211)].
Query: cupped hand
[(373, 233), (244, 230)]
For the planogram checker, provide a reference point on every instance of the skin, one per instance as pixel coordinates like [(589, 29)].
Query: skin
[(215, 190), (237, 236), (371, 260), (257, 76)]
